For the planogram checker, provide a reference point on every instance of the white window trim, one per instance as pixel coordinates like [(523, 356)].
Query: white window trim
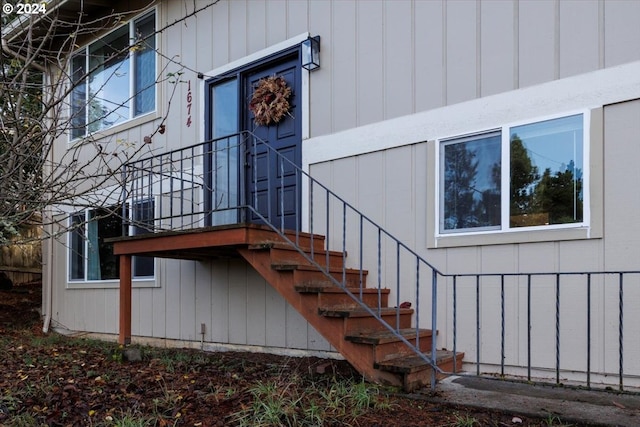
[(132, 121), (138, 282), (590, 227), (505, 178)]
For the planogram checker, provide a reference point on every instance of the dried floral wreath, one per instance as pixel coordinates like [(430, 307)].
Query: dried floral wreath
[(270, 100)]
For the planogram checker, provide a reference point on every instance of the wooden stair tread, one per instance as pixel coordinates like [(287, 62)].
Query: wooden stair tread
[(359, 312), (297, 266), (412, 364), (287, 247), (327, 288), (386, 336)]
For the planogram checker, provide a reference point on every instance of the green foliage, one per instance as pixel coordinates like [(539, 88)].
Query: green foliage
[(293, 402)]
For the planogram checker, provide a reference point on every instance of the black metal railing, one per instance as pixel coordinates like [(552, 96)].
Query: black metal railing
[(552, 318), (240, 178)]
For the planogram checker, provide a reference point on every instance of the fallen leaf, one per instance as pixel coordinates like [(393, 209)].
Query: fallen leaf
[(618, 405)]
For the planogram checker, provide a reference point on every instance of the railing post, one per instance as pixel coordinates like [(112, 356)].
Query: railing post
[(621, 329), (125, 223), (434, 326), (557, 329)]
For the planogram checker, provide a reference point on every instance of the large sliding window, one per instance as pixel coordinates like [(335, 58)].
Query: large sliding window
[(114, 78), (91, 258), (529, 175)]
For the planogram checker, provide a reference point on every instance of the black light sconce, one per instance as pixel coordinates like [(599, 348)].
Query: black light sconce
[(311, 53)]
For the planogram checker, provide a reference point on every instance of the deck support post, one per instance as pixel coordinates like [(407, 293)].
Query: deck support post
[(125, 300)]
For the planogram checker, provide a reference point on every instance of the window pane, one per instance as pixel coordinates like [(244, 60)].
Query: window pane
[(546, 172), (225, 160), (145, 65), (109, 82), (470, 182), (76, 250), (103, 224), (78, 96)]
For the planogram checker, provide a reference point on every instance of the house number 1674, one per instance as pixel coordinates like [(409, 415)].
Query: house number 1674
[(189, 99)]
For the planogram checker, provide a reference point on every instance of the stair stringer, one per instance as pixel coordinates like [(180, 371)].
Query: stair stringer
[(361, 357)]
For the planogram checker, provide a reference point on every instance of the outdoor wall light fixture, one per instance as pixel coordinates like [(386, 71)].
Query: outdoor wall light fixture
[(311, 53)]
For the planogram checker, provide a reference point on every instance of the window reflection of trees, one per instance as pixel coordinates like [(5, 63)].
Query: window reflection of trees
[(472, 182), (468, 203), (553, 197)]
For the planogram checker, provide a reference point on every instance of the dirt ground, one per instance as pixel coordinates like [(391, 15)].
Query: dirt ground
[(58, 381)]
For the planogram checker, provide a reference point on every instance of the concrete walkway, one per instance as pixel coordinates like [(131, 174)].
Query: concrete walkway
[(599, 408)]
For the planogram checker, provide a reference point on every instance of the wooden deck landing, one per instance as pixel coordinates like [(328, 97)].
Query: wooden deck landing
[(199, 244)]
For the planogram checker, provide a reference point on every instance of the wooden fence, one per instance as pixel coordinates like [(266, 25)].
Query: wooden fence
[(22, 262)]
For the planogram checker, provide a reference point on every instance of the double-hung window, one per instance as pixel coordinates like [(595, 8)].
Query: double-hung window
[(114, 78), (516, 177), (91, 257)]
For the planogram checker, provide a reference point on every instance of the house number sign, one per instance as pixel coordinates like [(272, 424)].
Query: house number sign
[(189, 102)]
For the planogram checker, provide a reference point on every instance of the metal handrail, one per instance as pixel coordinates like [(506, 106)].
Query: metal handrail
[(186, 177), (183, 170)]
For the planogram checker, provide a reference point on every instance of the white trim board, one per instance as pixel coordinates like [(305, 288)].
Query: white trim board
[(293, 41), (588, 90)]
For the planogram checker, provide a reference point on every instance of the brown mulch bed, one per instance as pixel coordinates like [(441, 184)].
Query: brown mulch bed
[(54, 380)]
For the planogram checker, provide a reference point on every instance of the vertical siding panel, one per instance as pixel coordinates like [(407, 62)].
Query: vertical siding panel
[(297, 13), (422, 215), (621, 125), (174, 46), (322, 173), (399, 203), (428, 55), (220, 41), (276, 17), (159, 301), (146, 312), (398, 51), (343, 69), (112, 312), (579, 37), (369, 62), (256, 26), (315, 341), (276, 318), (320, 89), (238, 29), (344, 172), (497, 47), (256, 308), (187, 301), (203, 298), (621, 32), (461, 50), (238, 302), (371, 179), (296, 330), (172, 301), (204, 41), (537, 44), (220, 301)]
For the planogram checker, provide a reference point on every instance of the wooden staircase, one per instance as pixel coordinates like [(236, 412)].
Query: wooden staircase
[(362, 339)]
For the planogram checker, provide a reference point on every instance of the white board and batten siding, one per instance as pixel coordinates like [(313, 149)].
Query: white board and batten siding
[(499, 63), (393, 75)]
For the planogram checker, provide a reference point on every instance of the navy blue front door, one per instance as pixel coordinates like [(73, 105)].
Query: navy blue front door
[(273, 184), (250, 170)]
